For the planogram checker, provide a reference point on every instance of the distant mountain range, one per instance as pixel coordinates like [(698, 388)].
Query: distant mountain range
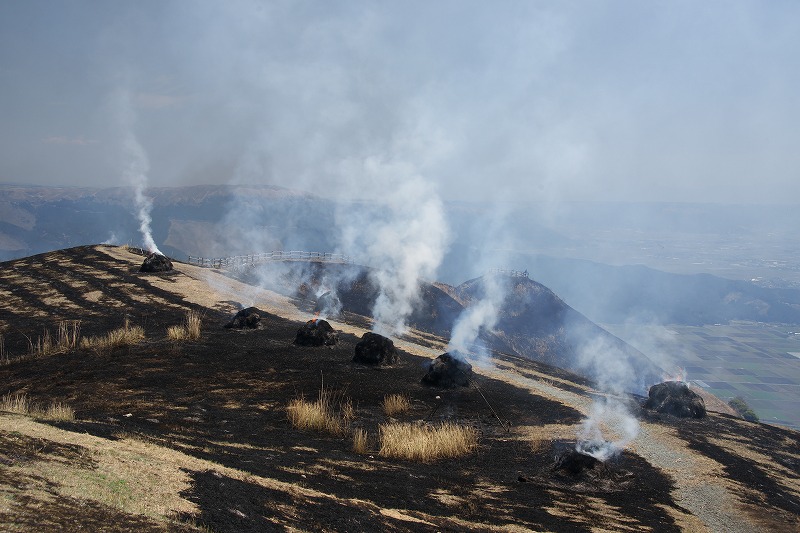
[(210, 221)]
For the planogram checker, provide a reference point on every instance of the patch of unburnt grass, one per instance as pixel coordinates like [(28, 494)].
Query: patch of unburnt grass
[(20, 404), (426, 443), (188, 331), (360, 441), (65, 340), (127, 335), (329, 413), (396, 404)]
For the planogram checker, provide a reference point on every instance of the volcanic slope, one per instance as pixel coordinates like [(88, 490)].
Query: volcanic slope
[(532, 321), (194, 436)]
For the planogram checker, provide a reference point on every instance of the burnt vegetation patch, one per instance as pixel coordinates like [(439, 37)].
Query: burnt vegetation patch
[(448, 371), (316, 332), (575, 470), (225, 399), (676, 399), (247, 318)]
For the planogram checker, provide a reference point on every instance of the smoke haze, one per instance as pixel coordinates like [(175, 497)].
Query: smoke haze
[(404, 116), (624, 101)]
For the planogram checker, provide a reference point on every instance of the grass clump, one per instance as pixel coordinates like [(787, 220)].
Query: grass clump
[(58, 411), (20, 404), (328, 413), (189, 330), (396, 404), (360, 441), (426, 443), (66, 339), (124, 336)]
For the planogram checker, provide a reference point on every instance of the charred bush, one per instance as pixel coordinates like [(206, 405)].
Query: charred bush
[(374, 349), (316, 332), (676, 399), (448, 371), (245, 319), (156, 263)]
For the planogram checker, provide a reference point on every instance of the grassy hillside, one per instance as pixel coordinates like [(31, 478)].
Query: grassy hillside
[(195, 435)]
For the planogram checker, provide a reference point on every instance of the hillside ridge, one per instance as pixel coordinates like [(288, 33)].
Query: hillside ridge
[(206, 421)]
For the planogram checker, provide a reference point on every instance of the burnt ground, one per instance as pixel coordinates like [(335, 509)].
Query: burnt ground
[(223, 399)]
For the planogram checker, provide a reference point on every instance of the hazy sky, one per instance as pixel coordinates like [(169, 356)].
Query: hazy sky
[(539, 101)]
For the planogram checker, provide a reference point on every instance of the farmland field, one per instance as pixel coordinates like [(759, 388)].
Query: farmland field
[(759, 362)]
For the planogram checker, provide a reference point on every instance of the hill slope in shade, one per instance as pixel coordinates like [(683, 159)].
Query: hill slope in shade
[(194, 436), (533, 322)]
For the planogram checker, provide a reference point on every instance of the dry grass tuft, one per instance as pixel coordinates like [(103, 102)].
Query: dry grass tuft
[(321, 415), (15, 403), (67, 338), (193, 323), (396, 404), (189, 330), (20, 404), (124, 336), (425, 443), (59, 411), (360, 441)]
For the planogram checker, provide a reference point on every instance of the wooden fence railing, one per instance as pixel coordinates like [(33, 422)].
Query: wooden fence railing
[(238, 261)]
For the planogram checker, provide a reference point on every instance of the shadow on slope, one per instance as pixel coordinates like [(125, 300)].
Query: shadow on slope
[(223, 399)]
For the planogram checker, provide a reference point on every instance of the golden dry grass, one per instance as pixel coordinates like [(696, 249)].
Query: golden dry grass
[(426, 443), (322, 414), (360, 441), (124, 336), (20, 404), (396, 404), (67, 339), (133, 476), (58, 411), (189, 330)]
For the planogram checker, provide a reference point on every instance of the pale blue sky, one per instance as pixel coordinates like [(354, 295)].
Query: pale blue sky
[(538, 101)]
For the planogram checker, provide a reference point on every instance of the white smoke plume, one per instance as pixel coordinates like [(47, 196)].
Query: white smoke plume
[(328, 298), (609, 426), (112, 239), (135, 173), (607, 430), (491, 237), (403, 236), (135, 166), (478, 317)]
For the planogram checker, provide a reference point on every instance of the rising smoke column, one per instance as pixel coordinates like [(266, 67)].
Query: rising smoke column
[(135, 173), (491, 238), (609, 426), (402, 234), (135, 166), (478, 317)]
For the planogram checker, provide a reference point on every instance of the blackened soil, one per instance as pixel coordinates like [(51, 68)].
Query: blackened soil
[(224, 399), (760, 481)]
